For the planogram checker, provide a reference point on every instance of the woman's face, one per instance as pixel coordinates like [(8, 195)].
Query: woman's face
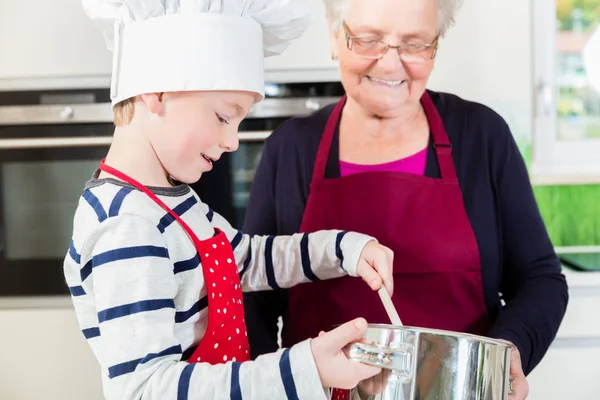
[(385, 85)]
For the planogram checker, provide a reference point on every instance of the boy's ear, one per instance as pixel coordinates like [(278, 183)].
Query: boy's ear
[(154, 102)]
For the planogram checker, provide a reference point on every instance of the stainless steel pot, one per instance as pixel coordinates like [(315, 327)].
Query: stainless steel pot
[(427, 364)]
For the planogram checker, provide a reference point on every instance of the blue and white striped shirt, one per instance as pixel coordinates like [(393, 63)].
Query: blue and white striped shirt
[(138, 291)]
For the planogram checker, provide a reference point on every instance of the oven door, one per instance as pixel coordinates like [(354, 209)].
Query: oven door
[(45, 160), (43, 170), (226, 188)]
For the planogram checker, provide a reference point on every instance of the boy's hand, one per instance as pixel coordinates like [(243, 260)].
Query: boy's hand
[(335, 368), (375, 266)]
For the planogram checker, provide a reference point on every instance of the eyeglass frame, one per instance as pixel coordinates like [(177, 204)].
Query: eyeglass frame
[(350, 39)]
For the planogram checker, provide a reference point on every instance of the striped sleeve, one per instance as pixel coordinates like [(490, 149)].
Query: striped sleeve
[(274, 262), (289, 373)]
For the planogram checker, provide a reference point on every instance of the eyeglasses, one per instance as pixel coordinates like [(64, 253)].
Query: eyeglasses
[(412, 53)]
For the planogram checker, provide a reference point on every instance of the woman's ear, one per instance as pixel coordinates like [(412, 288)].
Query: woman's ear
[(333, 38), (154, 102)]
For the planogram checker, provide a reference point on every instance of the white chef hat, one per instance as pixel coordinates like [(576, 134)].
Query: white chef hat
[(179, 45)]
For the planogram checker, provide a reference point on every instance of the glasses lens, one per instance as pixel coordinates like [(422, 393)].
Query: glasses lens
[(368, 48)]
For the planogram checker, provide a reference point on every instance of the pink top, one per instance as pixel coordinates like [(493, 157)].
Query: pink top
[(414, 164)]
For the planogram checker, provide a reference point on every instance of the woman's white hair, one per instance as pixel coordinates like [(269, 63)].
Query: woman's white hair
[(336, 10)]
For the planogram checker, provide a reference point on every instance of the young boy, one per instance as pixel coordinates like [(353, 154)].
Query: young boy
[(155, 275)]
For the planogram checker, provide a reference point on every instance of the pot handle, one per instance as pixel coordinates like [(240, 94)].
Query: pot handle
[(398, 359)]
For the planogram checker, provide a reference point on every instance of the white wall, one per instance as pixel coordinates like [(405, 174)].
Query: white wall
[(487, 57)]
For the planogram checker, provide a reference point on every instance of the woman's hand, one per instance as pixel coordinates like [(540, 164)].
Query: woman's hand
[(519, 385)]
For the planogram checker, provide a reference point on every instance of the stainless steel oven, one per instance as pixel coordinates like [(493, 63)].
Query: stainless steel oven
[(51, 143)]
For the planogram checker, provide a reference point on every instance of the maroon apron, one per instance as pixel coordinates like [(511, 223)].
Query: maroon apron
[(225, 338), (437, 271)]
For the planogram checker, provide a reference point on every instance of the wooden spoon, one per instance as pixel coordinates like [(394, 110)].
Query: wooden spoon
[(389, 306)]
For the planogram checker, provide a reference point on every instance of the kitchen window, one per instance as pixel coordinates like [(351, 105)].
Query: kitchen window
[(566, 139)]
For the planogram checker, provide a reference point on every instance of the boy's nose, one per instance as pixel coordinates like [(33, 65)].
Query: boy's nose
[(231, 142)]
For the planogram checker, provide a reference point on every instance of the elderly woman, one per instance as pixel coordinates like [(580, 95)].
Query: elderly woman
[(436, 178)]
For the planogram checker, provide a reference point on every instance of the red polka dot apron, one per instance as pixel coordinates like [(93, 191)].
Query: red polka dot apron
[(226, 338)]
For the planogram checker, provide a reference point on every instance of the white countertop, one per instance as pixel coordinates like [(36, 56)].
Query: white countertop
[(578, 279)]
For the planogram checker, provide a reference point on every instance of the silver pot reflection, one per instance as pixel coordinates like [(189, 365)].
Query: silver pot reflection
[(428, 364)]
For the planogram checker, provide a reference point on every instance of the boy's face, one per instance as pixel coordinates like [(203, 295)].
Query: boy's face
[(190, 130)]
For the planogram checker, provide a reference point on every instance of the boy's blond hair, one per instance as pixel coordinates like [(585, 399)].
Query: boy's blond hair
[(123, 112)]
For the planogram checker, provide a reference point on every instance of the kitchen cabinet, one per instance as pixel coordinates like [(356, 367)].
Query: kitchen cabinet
[(307, 59), (55, 45), (50, 43), (570, 368), (568, 371), (44, 355)]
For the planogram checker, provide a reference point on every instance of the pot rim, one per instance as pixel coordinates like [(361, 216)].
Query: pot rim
[(441, 332)]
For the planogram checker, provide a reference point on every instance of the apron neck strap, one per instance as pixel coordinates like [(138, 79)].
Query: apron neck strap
[(126, 178), (441, 143), (326, 139)]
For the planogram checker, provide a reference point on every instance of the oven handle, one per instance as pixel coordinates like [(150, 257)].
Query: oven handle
[(90, 113), (93, 141)]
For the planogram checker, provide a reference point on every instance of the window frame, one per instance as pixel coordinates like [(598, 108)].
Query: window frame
[(555, 161)]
